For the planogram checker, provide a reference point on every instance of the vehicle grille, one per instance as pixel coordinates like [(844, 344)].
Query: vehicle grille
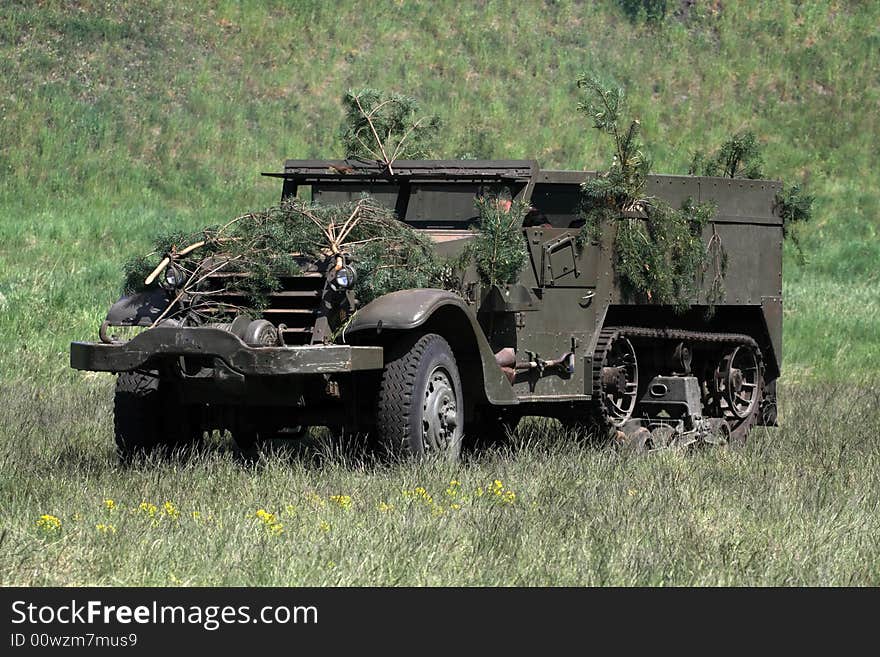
[(295, 304)]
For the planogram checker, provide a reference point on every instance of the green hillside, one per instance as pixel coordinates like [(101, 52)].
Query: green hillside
[(121, 119)]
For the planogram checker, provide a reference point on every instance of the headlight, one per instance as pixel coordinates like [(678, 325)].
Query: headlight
[(345, 278), (174, 277)]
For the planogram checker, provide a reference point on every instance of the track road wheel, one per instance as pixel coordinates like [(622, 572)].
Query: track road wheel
[(420, 411), (147, 420), (739, 384), (619, 379)]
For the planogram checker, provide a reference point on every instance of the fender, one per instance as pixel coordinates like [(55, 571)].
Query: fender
[(445, 313), (139, 309)]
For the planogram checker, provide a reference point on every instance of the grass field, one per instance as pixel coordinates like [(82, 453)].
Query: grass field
[(799, 505), (119, 122)]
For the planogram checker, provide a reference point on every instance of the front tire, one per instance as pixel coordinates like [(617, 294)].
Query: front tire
[(147, 419), (420, 411)]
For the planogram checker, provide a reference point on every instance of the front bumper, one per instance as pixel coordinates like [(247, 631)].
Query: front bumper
[(161, 342)]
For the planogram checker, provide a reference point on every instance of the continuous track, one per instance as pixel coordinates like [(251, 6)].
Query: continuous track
[(739, 427)]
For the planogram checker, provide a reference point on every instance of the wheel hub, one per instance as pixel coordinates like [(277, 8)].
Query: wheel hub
[(439, 411), (614, 379), (620, 381), (738, 381)]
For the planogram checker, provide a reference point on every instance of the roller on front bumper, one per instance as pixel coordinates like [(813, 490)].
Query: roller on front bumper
[(213, 342)]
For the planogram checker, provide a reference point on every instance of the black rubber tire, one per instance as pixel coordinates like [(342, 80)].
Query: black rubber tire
[(147, 420), (405, 379)]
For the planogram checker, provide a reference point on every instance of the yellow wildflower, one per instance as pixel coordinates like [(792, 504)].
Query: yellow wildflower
[(49, 523), (105, 529), (265, 516), (324, 526), (419, 493), (197, 515), (270, 522), (148, 508), (170, 510), (385, 507), (497, 491), (342, 501), (109, 504)]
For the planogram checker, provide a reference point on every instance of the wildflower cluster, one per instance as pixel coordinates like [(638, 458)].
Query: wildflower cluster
[(342, 501), (167, 511), (502, 493), (455, 497), (49, 524), (167, 514), (453, 492), (421, 496), (454, 488), (269, 522), (498, 492)]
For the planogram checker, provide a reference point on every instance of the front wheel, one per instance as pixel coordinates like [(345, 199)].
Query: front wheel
[(420, 410), (147, 419)]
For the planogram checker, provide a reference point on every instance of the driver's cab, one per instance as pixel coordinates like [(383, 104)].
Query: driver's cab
[(438, 197)]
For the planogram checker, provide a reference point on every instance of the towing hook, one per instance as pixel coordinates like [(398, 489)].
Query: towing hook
[(102, 333)]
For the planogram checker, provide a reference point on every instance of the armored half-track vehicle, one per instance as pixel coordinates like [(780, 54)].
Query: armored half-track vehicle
[(424, 370)]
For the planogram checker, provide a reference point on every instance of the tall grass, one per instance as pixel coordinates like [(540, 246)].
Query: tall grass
[(798, 505)]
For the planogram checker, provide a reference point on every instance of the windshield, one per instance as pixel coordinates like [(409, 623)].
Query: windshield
[(431, 205)]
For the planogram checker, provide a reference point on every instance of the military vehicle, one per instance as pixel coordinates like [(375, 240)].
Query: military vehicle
[(424, 370)]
